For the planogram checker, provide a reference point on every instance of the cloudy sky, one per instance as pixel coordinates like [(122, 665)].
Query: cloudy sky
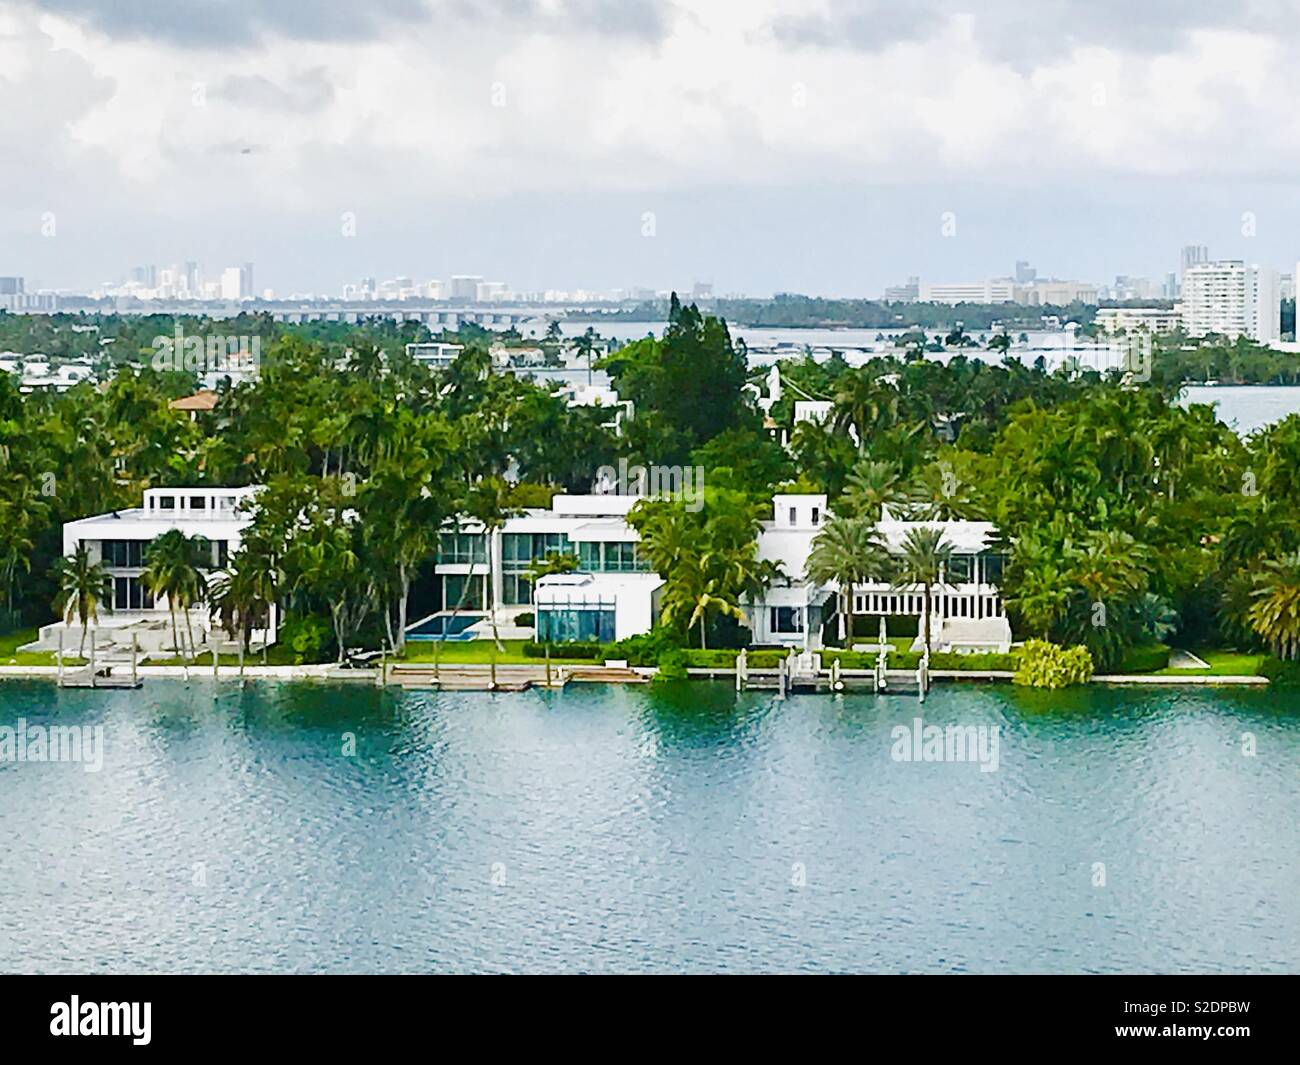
[(764, 145)]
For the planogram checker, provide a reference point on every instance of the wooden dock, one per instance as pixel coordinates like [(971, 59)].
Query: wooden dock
[(504, 678), (98, 672)]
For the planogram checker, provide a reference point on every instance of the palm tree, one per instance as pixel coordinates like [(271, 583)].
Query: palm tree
[(243, 595), (82, 585), (1275, 613), (174, 565), (1109, 566), (585, 345), (924, 557), (846, 552), (871, 487)]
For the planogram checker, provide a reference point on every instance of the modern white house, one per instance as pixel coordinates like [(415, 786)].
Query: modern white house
[(614, 594), (966, 610), (793, 609), (487, 573), (596, 606), (118, 541), (434, 354)]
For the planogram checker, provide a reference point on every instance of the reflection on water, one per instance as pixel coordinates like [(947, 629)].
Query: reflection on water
[(678, 828)]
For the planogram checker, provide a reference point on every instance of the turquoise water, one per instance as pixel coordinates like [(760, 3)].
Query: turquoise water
[(626, 829)]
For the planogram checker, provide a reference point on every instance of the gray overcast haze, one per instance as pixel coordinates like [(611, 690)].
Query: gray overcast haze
[(781, 145)]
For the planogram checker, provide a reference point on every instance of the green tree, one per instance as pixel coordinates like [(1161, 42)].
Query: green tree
[(174, 568), (1275, 611), (847, 552), (923, 558), (82, 584)]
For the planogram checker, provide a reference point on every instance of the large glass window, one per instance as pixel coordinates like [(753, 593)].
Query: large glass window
[(993, 564), (130, 593), (454, 585), (516, 589), (610, 557), (461, 548), (785, 619), (123, 554), (572, 622), (961, 569)]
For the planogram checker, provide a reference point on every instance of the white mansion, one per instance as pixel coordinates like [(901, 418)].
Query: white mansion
[(480, 576)]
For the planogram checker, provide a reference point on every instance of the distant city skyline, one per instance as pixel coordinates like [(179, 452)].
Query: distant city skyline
[(583, 145)]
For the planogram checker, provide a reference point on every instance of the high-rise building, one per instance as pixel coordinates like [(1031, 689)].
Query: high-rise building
[(231, 288), (11, 294), (465, 287), (1193, 255), (994, 290), (246, 290), (1231, 298), (906, 293), (1025, 274)]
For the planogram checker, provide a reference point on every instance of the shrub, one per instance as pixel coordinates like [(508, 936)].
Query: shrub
[(697, 659), (525, 621), (850, 659), (1047, 665), (1146, 658), (533, 649), (311, 639), (646, 649), (672, 664), (868, 625), (1281, 673)]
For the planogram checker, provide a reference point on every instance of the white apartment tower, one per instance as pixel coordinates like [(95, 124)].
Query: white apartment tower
[(1232, 298)]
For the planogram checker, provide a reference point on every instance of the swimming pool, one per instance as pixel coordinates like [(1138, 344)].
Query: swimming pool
[(443, 627)]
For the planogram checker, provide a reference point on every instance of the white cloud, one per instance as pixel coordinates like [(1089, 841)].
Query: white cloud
[(400, 110)]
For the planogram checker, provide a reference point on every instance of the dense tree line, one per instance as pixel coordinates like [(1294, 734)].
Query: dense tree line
[(1126, 517)]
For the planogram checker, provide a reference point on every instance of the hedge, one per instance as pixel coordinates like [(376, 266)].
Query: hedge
[(1280, 672), (1144, 659), (895, 625), (594, 651)]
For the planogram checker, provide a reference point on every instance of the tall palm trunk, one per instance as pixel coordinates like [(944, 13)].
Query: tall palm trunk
[(403, 604), (925, 611), (464, 594), (176, 635)]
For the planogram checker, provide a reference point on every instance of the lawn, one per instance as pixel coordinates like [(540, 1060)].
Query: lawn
[(1222, 664), (11, 656)]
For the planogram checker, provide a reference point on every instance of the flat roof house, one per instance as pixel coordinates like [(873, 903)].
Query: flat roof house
[(614, 594), (118, 540)]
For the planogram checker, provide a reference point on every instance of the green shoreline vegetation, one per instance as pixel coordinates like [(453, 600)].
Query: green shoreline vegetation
[(1130, 523)]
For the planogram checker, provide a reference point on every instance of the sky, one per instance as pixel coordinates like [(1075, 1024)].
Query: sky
[(818, 146)]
